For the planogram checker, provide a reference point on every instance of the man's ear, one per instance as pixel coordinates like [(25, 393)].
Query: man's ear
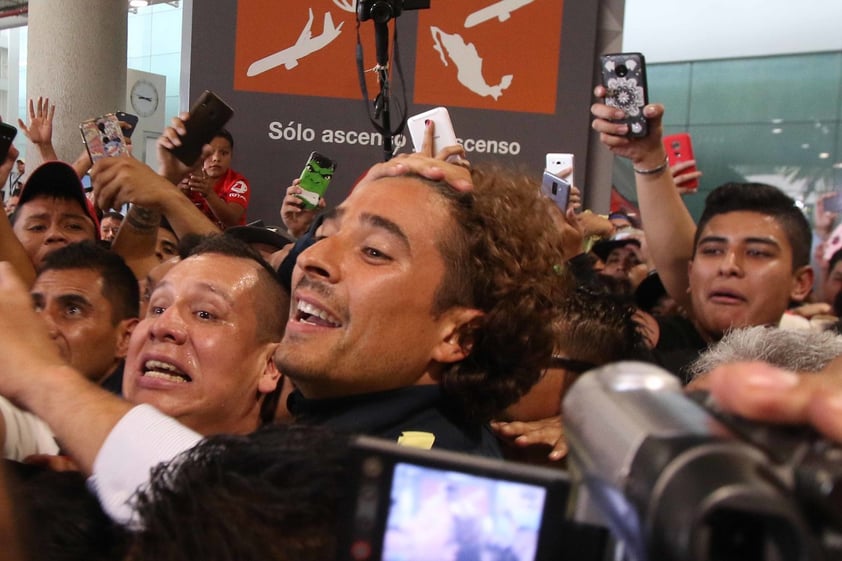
[(271, 375), (124, 333), (456, 336), (802, 283)]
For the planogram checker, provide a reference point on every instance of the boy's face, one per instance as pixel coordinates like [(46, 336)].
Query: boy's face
[(742, 273)]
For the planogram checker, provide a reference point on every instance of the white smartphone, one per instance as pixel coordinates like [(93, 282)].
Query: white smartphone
[(557, 162), (443, 136)]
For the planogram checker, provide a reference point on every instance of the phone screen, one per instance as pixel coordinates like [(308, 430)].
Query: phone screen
[(462, 512)]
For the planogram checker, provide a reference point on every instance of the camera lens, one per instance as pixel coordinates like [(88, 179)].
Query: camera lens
[(622, 70)]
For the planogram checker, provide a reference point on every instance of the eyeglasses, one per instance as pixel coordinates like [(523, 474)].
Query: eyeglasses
[(570, 364)]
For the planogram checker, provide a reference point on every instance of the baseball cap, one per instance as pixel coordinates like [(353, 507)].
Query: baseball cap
[(269, 235), (58, 179), (622, 238)]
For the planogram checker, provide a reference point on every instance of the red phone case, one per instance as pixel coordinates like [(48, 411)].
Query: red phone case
[(680, 149)]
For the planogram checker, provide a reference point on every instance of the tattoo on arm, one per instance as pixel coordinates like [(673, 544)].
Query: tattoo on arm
[(143, 219)]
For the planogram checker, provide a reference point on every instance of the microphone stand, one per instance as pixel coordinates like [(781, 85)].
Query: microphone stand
[(381, 102)]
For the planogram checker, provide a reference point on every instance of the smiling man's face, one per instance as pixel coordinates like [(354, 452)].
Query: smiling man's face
[(362, 315), (742, 273)]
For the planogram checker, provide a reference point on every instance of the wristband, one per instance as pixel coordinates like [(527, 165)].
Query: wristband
[(653, 171)]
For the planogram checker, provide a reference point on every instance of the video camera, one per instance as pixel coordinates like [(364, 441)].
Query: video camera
[(382, 11), (654, 476)]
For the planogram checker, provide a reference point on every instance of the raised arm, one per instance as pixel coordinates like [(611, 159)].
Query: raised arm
[(11, 249), (667, 222), (40, 128)]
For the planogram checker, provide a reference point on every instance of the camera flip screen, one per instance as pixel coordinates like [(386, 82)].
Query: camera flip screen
[(449, 515)]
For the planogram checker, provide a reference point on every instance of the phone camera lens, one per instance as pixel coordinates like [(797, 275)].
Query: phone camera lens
[(622, 71)]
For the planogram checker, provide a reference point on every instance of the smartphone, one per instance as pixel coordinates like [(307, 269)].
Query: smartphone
[(207, 117), (129, 120), (443, 135), (557, 189), (7, 135), (624, 76), (680, 149), (103, 137), (315, 178), (557, 162), (454, 501)]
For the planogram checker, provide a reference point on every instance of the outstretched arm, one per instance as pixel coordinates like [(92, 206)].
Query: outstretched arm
[(667, 222)]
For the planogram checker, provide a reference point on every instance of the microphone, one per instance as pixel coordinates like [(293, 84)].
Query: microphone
[(381, 41)]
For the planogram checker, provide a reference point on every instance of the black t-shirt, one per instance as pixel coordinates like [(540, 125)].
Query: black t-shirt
[(678, 346)]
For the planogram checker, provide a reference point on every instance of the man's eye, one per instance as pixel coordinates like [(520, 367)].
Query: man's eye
[(710, 251), (36, 228), (156, 310), (375, 253), (75, 226), (204, 314), (71, 311)]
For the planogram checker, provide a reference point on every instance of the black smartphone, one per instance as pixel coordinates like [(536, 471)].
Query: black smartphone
[(624, 76), (7, 135), (207, 117), (556, 189), (315, 177), (128, 123)]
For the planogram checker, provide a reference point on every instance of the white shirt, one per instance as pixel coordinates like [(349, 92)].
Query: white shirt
[(141, 440), (26, 434)]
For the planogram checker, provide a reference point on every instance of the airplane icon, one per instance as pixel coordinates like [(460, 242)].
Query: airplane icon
[(305, 44), (501, 10)]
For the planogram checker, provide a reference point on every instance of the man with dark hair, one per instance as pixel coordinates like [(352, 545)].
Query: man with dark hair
[(218, 191), (88, 298), (110, 225), (202, 354), (53, 211), (745, 262)]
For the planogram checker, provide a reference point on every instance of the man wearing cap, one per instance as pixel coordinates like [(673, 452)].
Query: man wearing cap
[(53, 212)]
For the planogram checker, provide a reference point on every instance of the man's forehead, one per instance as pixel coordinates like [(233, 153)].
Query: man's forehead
[(46, 203), (231, 276), (744, 226), (81, 279)]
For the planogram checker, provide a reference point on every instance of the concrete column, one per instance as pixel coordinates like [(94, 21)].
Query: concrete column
[(609, 39), (77, 58)]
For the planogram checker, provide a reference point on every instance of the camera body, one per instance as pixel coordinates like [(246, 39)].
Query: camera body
[(382, 11), (676, 479), (654, 476)]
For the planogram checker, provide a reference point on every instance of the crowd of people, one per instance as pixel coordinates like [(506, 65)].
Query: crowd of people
[(193, 367)]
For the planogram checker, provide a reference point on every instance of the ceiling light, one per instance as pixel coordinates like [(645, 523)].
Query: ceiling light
[(824, 155), (138, 3)]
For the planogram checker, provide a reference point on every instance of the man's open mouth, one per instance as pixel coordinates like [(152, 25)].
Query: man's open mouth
[(310, 314), (164, 371)]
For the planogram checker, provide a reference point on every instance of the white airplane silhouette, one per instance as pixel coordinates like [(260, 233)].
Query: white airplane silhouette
[(501, 10), (304, 45)]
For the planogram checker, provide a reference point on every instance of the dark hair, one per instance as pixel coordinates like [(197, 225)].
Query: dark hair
[(271, 319), (273, 494), (763, 199), (224, 133), (60, 519), (596, 325), (502, 256), (113, 214), (119, 285)]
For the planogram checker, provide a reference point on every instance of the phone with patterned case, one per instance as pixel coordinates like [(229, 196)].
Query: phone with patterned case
[(624, 76), (103, 137)]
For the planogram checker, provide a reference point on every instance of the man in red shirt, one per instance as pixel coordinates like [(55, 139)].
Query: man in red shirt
[(219, 191)]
